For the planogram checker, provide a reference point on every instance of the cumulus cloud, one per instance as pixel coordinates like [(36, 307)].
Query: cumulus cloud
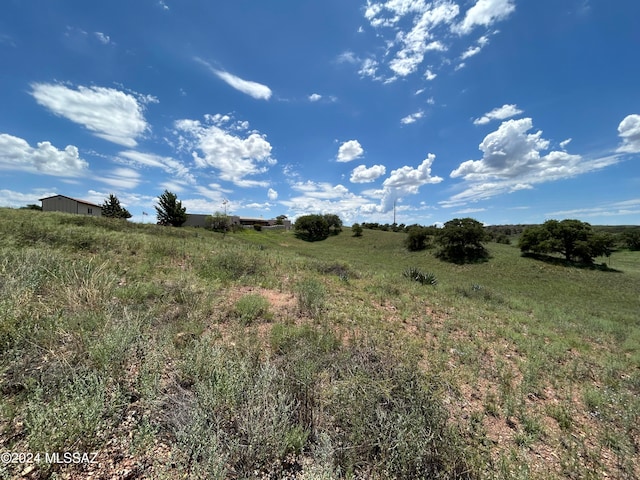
[(514, 159), (251, 88), (629, 131), (321, 197), (500, 113), (17, 154), (314, 97), (235, 154), (350, 150), (272, 194), (13, 199), (414, 117), (485, 13), (108, 113), (407, 181), (362, 174), (419, 28), (420, 39)]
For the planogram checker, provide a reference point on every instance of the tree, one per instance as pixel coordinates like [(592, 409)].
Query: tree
[(461, 241), (356, 229), (416, 239), (312, 227), (170, 210), (32, 206), (218, 222), (632, 238), (111, 208), (573, 239), (334, 222), (280, 219)]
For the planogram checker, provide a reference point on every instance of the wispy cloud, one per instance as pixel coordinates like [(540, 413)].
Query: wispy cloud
[(248, 87), (414, 117), (500, 113)]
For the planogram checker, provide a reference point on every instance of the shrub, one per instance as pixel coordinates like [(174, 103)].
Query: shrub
[(415, 274), (250, 308), (356, 229), (416, 238), (317, 227), (257, 227)]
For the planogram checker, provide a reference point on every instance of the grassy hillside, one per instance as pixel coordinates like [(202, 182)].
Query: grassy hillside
[(174, 353)]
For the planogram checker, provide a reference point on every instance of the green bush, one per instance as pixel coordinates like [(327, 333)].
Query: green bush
[(251, 308)]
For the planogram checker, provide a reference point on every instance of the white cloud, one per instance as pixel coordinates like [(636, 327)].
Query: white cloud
[(485, 13), (362, 174), (168, 164), (13, 199), (407, 181), (350, 150), (564, 143), (419, 40), (470, 52), (314, 97), (102, 38), (108, 113), (326, 198), (368, 68), (500, 113), (272, 194), (253, 89), (122, 178), (629, 131), (234, 155), (17, 154), (429, 75), (513, 160), (412, 118), (348, 57)]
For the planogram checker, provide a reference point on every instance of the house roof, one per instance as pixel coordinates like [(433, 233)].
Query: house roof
[(74, 199)]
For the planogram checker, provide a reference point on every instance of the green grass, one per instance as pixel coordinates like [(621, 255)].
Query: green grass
[(193, 354)]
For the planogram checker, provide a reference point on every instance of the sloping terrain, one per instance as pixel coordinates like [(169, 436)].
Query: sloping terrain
[(180, 353)]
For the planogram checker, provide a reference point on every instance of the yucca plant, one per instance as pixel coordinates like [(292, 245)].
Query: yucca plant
[(417, 275)]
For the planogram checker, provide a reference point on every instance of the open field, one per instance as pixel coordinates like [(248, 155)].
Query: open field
[(180, 353)]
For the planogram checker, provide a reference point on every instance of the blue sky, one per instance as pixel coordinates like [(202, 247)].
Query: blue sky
[(508, 111)]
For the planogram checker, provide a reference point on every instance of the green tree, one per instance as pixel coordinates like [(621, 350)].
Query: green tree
[(170, 210), (32, 206), (111, 208), (356, 229), (280, 219), (573, 239), (632, 238), (416, 239), (461, 241), (311, 227), (218, 222), (334, 222)]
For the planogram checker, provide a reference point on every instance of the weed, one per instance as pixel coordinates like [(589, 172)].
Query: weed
[(311, 297), (251, 308)]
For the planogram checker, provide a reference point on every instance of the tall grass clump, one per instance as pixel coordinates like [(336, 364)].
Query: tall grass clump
[(311, 296)]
